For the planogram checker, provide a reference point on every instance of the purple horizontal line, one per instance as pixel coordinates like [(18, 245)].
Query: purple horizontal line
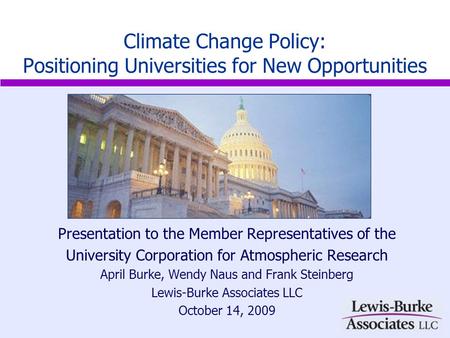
[(392, 314), (225, 83)]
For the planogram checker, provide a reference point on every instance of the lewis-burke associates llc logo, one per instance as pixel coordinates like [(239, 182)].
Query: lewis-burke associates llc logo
[(392, 315)]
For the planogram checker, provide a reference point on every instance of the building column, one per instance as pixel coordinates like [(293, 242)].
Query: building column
[(85, 170), (187, 185), (146, 166), (98, 145), (225, 183), (116, 157), (128, 149), (209, 183), (135, 159), (199, 177), (74, 151), (216, 181), (108, 149), (176, 168), (162, 151), (162, 157)]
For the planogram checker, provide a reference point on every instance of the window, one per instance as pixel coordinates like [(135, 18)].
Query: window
[(89, 209), (77, 209), (83, 138), (251, 152), (79, 166), (114, 209)]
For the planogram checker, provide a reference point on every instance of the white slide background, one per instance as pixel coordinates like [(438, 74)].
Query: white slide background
[(42, 295)]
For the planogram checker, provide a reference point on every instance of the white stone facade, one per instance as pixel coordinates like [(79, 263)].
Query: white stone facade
[(116, 143)]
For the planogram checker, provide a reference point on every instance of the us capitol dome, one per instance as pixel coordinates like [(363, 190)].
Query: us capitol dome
[(251, 157)]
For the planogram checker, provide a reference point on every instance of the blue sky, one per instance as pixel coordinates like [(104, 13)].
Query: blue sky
[(327, 135)]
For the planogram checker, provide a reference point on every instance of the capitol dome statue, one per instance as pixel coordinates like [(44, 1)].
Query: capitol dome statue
[(251, 157)]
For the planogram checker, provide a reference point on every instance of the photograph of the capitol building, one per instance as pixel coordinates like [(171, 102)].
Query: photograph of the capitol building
[(128, 159)]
